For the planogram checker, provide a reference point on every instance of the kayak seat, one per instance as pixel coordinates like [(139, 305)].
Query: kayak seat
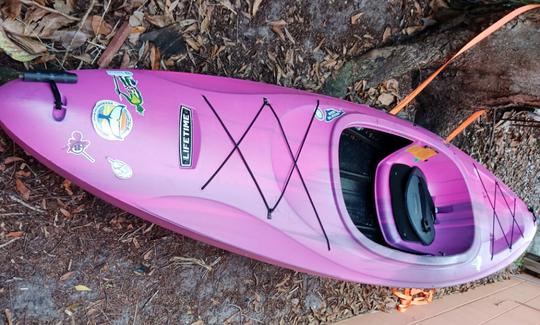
[(412, 204), (360, 151)]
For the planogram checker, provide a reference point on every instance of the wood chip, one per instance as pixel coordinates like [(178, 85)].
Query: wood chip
[(15, 234)]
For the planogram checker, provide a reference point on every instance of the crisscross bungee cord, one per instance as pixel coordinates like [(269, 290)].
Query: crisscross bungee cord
[(294, 158), (493, 204)]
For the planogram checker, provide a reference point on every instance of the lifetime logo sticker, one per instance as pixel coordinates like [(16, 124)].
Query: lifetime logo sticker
[(186, 137)]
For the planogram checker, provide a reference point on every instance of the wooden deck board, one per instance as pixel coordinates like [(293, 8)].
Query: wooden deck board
[(514, 301)]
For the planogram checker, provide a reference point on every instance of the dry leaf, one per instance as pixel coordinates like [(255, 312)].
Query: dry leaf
[(22, 189), (148, 255), (66, 184), (13, 8), (12, 49), (256, 5), (30, 45), (70, 39), (15, 234), (80, 287), (387, 33), (277, 27), (67, 276), (355, 17), (386, 99), (227, 4), (49, 24), (100, 26), (158, 21)]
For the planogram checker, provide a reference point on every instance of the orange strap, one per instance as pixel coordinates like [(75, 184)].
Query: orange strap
[(409, 297), (474, 116), (490, 30)]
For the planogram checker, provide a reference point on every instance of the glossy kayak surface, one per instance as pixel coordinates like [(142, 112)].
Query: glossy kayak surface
[(256, 169)]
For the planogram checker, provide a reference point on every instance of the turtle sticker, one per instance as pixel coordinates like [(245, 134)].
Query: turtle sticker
[(126, 88), (328, 115), (120, 169), (112, 120), (77, 145)]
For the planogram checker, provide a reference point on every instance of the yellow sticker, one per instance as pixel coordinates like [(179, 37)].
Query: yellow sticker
[(422, 153)]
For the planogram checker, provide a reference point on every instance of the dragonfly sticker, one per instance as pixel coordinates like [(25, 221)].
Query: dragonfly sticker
[(126, 88)]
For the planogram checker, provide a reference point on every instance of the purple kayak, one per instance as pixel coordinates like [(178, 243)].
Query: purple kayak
[(296, 179)]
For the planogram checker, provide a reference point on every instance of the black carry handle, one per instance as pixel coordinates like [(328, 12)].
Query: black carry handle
[(48, 76)]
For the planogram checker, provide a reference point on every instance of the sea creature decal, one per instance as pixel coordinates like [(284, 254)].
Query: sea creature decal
[(328, 115), (126, 88), (120, 169), (77, 145), (111, 120)]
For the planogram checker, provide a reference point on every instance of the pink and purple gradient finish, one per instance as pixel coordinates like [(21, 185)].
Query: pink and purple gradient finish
[(229, 212)]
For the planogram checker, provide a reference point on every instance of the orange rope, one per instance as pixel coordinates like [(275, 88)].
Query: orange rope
[(490, 30), (474, 116)]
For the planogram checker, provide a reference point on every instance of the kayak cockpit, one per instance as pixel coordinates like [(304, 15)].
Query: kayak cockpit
[(403, 194)]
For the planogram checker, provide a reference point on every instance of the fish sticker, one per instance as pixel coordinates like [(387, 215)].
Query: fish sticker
[(126, 88), (112, 120), (77, 145), (328, 115), (120, 169)]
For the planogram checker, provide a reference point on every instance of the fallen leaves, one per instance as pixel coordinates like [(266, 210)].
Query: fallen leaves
[(67, 276), (255, 8), (100, 26), (227, 4), (13, 50), (81, 287), (13, 8), (356, 17), (66, 184), (278, 27), (22, 189)]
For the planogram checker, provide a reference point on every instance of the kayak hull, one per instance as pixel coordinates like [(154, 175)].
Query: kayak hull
[(247, 167)]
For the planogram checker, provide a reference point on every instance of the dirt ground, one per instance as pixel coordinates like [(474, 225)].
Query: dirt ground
[(134, 272)]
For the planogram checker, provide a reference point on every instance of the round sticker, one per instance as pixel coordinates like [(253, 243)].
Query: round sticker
[(112, 120), (120, 169)]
